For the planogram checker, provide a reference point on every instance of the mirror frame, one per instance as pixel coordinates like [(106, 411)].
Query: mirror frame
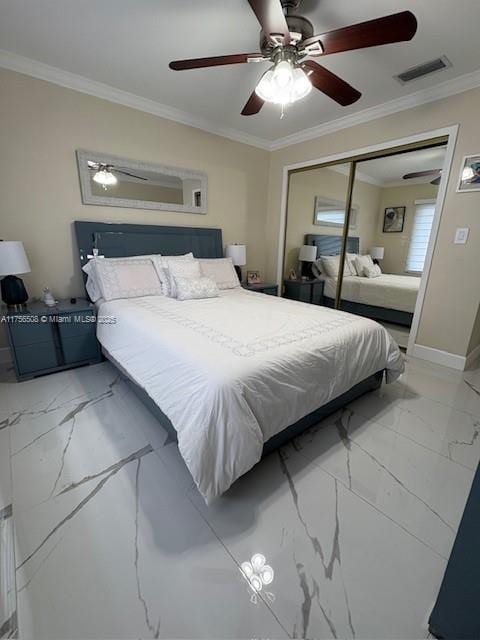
[(88, 198)]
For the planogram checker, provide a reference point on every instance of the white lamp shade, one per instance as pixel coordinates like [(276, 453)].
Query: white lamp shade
[(13, 259), (238, 254), (377, 253), (307, 253)]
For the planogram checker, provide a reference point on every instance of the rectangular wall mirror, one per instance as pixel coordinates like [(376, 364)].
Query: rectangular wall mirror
[(331, 213), (112, 181)]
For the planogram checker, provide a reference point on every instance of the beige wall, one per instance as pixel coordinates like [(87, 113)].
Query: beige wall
[(396, 244), (453, 284), (303, 188), (41, 126)]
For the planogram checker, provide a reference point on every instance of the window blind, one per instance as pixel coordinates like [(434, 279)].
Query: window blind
[(422, 227)]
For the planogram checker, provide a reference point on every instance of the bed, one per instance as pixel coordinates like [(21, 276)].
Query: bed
[(236, 376), (389, 298)]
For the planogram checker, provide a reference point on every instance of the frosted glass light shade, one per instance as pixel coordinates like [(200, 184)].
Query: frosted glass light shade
[(307, 253), (13, 259), (238, 254), (377, 253)]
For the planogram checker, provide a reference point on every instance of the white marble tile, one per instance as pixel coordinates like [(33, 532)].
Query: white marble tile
[(356, 519), (335, 557), (5, 470), (126, 555)]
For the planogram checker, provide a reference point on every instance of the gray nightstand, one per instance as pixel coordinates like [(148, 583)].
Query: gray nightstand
[(47, 339), (263, 287), (304, 290)]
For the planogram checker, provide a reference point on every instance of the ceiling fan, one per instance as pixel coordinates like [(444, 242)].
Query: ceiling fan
[(288, 41), (437, 173), (105, 173)]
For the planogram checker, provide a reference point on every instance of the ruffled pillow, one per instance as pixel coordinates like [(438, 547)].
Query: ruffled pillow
[(162, 263), (196, 288), (363, 262), (331, 266), (186, 269), (372, 272), (221, 270)]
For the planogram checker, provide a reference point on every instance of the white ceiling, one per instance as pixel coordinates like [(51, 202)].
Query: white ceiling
[(389, 171), (127, 44)]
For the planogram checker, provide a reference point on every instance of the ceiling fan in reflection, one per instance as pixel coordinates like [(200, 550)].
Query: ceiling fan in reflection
[(105, 174)]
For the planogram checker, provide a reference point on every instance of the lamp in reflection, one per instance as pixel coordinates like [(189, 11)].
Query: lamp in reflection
[(258, 574)]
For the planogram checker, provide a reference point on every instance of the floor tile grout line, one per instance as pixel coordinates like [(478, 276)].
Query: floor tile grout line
[(357, 495), (227, 550), (399, 433)]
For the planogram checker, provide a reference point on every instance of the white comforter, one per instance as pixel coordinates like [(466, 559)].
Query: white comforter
[(388, 290), (230, 372)]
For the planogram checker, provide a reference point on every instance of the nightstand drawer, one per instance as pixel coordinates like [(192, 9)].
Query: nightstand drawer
[(31, 359), (317, 293), (24, 333), (80, 348), (270, 291), (78, 326)]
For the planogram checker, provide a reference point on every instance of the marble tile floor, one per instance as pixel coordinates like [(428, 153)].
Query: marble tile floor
[(356, 517)]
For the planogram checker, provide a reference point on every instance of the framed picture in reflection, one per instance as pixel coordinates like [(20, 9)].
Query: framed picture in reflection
[(393, 219)]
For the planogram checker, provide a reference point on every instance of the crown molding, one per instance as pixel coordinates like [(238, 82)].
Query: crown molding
[(27, 66), (424, 96), (42, 71)]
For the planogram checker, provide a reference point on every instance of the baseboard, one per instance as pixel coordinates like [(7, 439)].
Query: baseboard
[(472, 356), (5, 357), (437, 356)]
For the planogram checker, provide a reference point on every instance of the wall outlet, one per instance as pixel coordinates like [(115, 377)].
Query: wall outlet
[(461, 236)]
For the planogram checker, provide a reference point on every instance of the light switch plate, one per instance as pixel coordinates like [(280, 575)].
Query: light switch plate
[(461, 236)]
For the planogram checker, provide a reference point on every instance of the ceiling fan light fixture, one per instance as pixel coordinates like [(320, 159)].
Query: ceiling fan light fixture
[(283, 86), (105, 178)]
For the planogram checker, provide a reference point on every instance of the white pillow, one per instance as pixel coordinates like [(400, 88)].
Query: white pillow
[(161, 266), (185, 269), (127, 278), (331, 266), (221, 270), (196, 288), (372, 272), (92, 286), (351, 263), (362, 262)]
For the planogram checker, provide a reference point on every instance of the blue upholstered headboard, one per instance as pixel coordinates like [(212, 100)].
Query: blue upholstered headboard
[(331, 245), (116, 240)]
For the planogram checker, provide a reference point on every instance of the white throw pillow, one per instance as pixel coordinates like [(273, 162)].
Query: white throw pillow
[(351, 263), (196, 288), (161, 266), (186, 269), (221, 270), (363, 262), (127, 278), (331, 266), (372, 272)]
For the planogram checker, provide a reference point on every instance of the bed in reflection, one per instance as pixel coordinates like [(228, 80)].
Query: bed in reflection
[(386, 297)]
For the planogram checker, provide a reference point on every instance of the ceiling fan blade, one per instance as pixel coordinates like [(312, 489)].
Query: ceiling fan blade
[(253, 106), (397, 27), (199, 63), (436, 182), (422, 174), (272, 19), (132, 175), (330, 84)]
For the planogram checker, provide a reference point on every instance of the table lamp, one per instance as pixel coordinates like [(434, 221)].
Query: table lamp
[(306, 256), (377, 253), (238, 254), (13, 261)]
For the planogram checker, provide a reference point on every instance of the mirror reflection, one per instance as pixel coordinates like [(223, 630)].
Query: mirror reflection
[(120, 182)]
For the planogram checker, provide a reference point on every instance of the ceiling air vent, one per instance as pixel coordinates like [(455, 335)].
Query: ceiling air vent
[(424, 69)]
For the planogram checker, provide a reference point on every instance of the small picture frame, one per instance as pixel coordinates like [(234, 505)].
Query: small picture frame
[(469, 179), (292, 275), (393, 219), (253, 277)]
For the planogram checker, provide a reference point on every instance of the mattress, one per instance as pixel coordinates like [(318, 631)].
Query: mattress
[(231, 372), (389, 291)]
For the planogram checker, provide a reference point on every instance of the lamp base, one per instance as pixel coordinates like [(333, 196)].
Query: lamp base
[(307, 270), (13, 291), (239, 271)]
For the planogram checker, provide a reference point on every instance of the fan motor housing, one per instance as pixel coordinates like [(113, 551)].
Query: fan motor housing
[(296, 24)]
